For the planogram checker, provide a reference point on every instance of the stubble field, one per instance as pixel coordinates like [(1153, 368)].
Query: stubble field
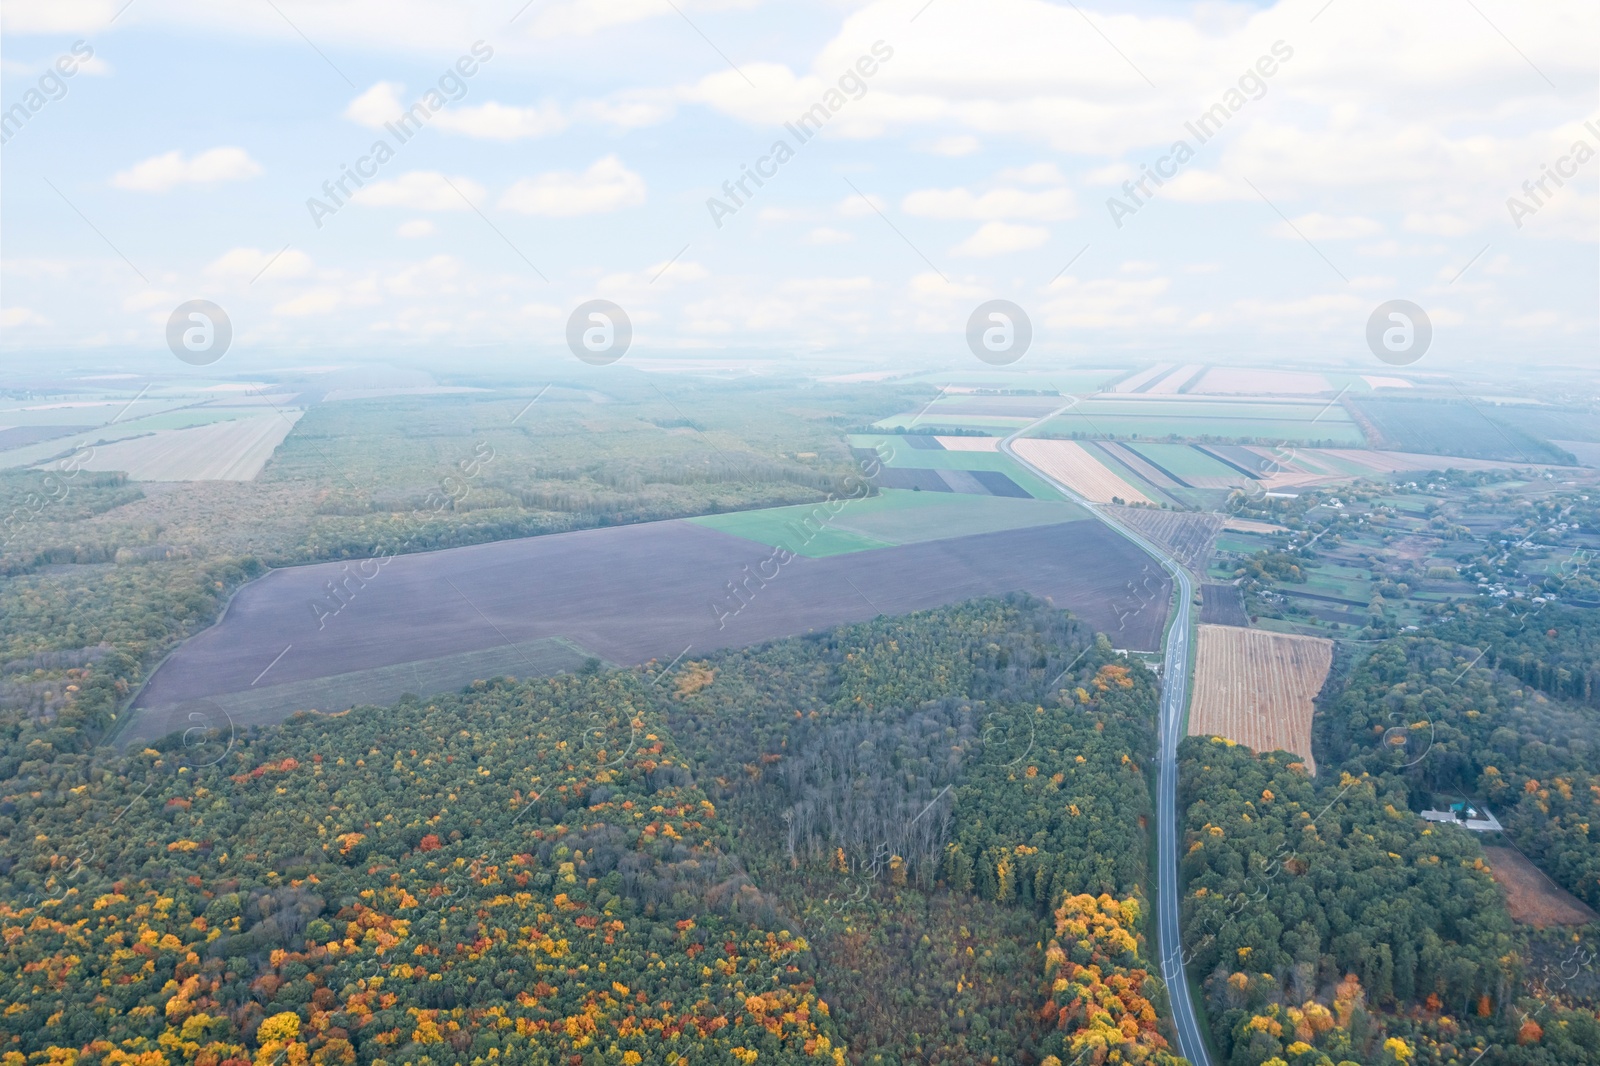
[(1258, 688)]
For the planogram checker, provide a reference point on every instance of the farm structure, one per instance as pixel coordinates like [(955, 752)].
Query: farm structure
[(628, 594), (1258, 688)]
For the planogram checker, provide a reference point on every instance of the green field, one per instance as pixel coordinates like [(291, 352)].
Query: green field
[(1184, 461), (903, 455), (123, 430), (924, 419), (1071, 382), (895, 516), (1098, 425), (1190, 419)]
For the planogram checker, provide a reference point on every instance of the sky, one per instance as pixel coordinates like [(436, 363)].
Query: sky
[(1352, 153)]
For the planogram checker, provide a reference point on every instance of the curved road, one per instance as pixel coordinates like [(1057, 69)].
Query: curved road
[(1174, 697)]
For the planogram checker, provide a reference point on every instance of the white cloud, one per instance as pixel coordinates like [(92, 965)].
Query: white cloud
[(250, 263), (12, 317), (500, 122), (318, 301), (583, 17), (385, 103), (1202, 186), (421, 190), (163, 172), (828, 235), (998, 238), (959, 145), (377, 105), (1437, 224), (1034, 174), (853, 206), (606, 186), (1050, 205), (1319, 227), (417, 227)]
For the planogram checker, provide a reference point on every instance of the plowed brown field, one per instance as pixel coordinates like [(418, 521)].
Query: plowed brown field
[(1257, 688), (1530, 897)]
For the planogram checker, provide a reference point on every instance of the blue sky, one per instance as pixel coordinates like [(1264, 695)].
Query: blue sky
[(978, 161)]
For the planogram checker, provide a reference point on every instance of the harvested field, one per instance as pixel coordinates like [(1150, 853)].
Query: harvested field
[(1257, 688), (1069, 463), (969, 444), (629, 594), (1223, 605), (1250, 525), (1136, 381), (1240, 381), (1190, 537), (1190, 417), (1530, 896), (1139, 464), (222, 451), (1175, 381), (1408, 462), (1375, 381)]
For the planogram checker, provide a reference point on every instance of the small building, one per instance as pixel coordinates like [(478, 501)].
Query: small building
[(1467, 816)]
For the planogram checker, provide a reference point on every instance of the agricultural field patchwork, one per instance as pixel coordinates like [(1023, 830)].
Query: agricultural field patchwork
[(630, 594), (1072, 464), (1207, 419), (234, 450), (1473, 431), (1257, 688), (1190, 537), (894, 516)]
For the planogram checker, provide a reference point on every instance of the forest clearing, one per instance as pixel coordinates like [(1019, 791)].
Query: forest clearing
[(1257, 688), (1530, 896)]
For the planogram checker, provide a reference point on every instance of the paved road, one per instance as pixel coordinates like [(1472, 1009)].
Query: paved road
[(1174, 696)]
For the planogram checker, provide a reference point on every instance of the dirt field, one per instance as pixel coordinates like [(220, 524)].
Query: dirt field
[(1188, 536), (1138, 464), (1174, 381), (1530, 897), (628, 594), (222, 451), (1223, 605), (1250, 525), (1257, 688), (1133, 384), (969, 444), (1069, 463)]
